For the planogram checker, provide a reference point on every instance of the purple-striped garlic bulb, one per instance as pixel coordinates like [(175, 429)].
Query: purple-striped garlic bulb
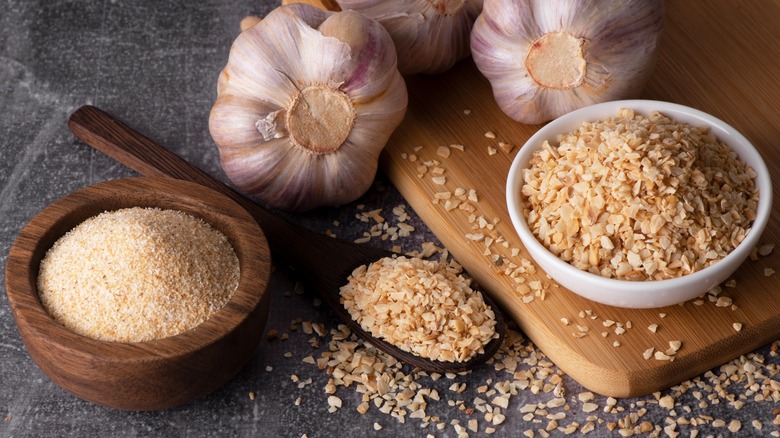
[(306, 102), (430, 36), (546, 58)]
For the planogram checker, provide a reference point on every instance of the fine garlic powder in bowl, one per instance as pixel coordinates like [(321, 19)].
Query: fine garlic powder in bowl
[(137, 274), (639, 203), (204, 322)]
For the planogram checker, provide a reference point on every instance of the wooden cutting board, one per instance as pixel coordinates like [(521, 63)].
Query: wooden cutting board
[(721, 56)]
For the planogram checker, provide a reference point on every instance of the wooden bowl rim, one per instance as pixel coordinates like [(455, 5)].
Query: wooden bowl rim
[(252, 251)]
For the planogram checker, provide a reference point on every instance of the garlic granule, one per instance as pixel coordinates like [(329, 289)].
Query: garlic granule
[(422, 307), (639, 197)]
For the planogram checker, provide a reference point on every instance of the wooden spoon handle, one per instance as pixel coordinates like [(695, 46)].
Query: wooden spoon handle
[(326, 262), (120, 142)]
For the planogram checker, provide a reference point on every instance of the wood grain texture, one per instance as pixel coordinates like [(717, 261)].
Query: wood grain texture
[(142, 375), (722, 59), (323, 261)]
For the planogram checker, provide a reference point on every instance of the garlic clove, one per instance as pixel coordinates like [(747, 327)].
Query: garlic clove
[(364, 70), (240, 114), (372, 102), (273, 79), (406, 29), (544, 60)]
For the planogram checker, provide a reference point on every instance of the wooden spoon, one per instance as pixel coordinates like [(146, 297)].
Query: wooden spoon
[(324, 262)]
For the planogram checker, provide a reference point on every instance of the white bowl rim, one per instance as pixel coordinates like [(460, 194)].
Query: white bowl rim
[(648, 289)]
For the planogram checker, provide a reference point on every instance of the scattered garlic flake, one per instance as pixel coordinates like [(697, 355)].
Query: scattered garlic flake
[(399, 392), (766, 249), (666, 402)]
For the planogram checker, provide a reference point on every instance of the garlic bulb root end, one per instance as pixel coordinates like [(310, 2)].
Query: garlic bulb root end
[(320, 119), (557, 60)]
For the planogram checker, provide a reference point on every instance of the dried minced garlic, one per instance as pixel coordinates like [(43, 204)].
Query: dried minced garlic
[(639, 197), (423, 307)]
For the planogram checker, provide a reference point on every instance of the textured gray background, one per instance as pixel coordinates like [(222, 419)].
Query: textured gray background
[(154, 64)]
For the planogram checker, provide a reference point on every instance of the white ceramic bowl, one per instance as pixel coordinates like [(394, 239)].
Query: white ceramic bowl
[(638, 294)]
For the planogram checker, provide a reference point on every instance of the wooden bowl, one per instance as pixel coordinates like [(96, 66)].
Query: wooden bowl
[(156, 374)]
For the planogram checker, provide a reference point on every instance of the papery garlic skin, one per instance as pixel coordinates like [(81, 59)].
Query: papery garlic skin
[(547, 58), (430, 35), (306, 103)]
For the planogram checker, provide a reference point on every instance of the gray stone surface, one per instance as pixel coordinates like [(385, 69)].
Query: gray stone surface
[(155, 64)]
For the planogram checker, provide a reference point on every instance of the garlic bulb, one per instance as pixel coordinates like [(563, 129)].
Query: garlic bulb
[(306, 102), (547, 58), (430, 35)]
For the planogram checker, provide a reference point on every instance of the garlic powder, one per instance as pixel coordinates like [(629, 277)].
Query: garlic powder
[(137, 274)]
